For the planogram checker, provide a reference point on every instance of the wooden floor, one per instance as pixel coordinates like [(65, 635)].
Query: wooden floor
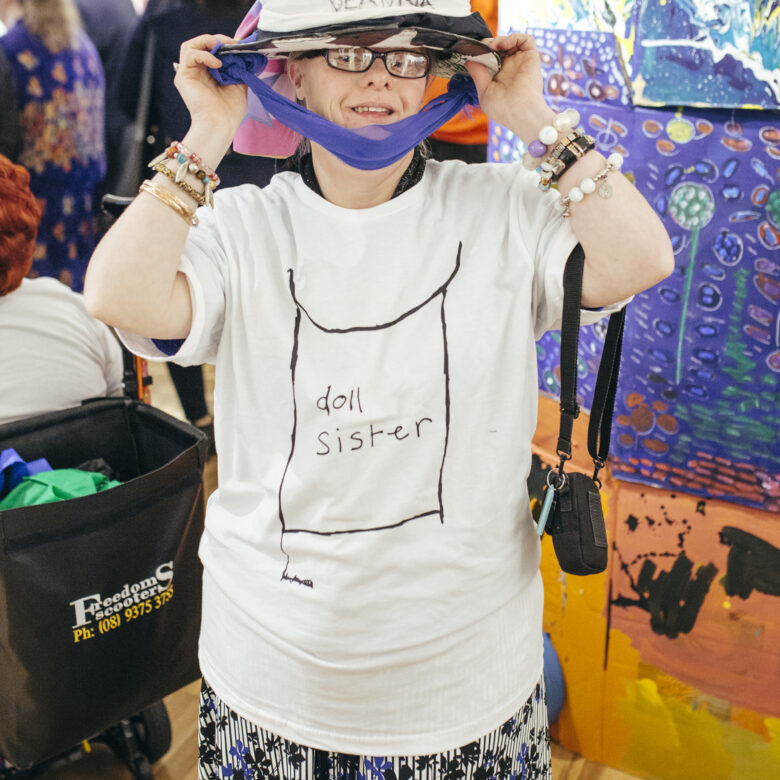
[(180, 763)]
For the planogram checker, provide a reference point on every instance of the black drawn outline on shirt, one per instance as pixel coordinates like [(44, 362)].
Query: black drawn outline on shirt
[(441, 290)]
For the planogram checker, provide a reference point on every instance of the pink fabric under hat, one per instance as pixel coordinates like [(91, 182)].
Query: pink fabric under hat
[(275, 28)]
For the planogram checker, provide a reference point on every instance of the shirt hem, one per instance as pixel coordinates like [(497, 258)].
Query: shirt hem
[(402, 745)]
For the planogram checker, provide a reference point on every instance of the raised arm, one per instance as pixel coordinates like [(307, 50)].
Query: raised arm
[(627, 248), (133, 281)]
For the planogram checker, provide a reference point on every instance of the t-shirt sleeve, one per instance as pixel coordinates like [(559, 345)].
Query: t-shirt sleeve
[(549, 240), (204, 264)]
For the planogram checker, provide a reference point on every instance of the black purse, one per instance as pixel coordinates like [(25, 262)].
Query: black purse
[(571, 510)]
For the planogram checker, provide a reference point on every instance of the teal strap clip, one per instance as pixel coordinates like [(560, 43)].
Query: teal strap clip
[(547, 505)]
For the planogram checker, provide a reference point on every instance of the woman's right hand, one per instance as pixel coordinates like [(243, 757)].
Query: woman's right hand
[(215, 108)]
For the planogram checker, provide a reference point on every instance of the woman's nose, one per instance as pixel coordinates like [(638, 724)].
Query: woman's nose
[(377, 74)]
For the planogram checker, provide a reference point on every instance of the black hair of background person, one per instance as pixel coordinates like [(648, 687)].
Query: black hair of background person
[(10, 133), (110, 25), (174, 22)]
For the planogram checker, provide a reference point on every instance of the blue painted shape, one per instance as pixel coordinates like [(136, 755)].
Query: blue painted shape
[(553, 681)]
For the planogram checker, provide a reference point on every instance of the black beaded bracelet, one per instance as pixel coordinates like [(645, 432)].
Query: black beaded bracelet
[(571, 148)]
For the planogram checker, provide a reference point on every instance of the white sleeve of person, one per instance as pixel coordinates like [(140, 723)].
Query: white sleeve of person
[(202, 262)]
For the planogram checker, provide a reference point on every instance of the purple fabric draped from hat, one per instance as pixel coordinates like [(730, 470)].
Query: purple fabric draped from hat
[(367, 148)]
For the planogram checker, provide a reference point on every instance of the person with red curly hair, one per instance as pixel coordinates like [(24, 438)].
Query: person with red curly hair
[(20, 215), (52, 353)]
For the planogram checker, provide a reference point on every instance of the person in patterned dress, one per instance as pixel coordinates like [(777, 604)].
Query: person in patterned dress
[(60, 93)]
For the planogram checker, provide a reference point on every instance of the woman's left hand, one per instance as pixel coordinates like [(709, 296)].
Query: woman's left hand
[(513, 97)]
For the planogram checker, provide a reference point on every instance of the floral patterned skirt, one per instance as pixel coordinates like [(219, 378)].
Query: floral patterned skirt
[(231, 747)]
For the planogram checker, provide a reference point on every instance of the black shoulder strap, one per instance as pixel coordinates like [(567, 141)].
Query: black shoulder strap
[(607, 379)]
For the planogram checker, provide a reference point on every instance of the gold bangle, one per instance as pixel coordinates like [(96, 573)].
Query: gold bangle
[(191, 191), (170, 200)]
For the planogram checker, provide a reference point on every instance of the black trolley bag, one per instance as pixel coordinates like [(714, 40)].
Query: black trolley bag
[(99, 595)]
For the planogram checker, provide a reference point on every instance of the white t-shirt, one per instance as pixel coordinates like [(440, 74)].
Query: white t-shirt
[(53, 355), (371, 565)]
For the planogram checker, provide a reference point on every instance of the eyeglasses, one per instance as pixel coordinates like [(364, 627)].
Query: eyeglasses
[(402, 63)]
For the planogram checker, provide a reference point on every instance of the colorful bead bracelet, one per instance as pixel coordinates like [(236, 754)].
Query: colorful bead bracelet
[(189, 162), (193, 162)]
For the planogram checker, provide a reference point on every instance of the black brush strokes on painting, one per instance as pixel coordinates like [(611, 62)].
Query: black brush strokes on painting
[(672, 598), (753, 564)]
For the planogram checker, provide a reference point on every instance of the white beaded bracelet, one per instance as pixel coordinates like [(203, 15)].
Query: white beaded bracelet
[(588, 184), (562, 123)]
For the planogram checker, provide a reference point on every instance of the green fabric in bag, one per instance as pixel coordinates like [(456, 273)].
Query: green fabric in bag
[(56, 485)]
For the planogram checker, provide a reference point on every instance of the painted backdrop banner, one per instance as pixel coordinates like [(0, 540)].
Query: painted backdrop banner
[(706, 53), (698, 406), (716, 53), (699, 402)]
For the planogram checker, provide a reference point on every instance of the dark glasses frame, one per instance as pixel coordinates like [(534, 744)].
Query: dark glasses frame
[(382, 55)]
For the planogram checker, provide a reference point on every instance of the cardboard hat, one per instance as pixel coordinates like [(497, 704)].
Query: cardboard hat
[(447, 28)]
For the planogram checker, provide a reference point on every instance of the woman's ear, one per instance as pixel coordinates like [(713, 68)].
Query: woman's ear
[(295, 72)]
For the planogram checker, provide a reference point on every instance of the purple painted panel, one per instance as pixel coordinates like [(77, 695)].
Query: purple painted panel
[(698, 407)]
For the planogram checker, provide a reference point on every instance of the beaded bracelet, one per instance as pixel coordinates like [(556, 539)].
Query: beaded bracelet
[(191, 191), (564, 122), (571, 148), (551, 168), (191, 162), (170, 200), (588, 184)]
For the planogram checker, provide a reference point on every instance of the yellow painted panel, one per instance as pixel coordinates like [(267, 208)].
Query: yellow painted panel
[(674, 741), (574, 620), (663, 707)]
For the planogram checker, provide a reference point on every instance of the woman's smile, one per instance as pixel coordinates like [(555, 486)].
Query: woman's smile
[(373, 111)]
